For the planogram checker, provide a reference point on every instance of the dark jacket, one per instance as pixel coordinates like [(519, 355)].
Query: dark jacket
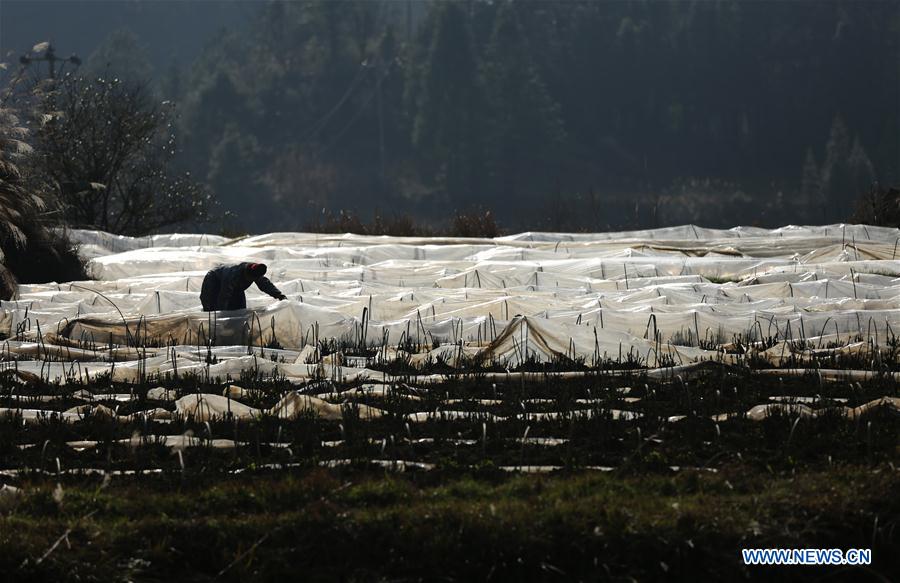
[(223, 288)]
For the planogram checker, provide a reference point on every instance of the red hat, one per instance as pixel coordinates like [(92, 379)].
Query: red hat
[(256, 270)]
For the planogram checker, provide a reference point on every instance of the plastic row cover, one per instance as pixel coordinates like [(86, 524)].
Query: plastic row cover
[(658, 296)]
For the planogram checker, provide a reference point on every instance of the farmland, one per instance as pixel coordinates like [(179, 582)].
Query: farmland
[(542, 405)]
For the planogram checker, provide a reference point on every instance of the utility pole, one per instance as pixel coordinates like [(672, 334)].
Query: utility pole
[(50, 57)]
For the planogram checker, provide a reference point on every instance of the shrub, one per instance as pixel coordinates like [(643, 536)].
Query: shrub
[(32, 251), (880, 206), (479, 223)]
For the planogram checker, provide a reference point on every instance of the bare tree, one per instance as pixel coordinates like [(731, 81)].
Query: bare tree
[(110, 148)]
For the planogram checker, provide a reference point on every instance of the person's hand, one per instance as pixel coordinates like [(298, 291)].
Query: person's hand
[(282, 297)]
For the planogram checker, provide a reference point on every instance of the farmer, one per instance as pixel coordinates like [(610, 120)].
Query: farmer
[(223, 287)]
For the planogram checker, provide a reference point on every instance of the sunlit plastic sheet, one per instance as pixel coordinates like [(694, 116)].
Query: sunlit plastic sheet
[(657, 295)]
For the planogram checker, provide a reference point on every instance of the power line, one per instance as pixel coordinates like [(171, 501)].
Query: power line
[(358, 113), (320, 124)]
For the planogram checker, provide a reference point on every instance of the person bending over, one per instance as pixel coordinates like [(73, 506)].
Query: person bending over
[(223, 287)]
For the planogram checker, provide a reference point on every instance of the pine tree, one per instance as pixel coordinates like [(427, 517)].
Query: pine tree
[(837, 183), (811, 183), (210, 109), (526, 129), (121, 55), (861, 169), (448, 107)]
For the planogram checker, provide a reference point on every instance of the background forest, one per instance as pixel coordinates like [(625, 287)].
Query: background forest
[(552, 115)]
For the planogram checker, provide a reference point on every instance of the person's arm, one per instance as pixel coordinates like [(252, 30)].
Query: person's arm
[(268, 287)]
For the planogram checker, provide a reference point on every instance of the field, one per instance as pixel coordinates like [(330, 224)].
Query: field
[(542, 406)]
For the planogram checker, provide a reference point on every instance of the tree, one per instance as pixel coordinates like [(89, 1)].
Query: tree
[(233, 167), (305, 82), (811, 183), (213, 109), (110, 148), (837, 182), (507, 101), (301, 183), (525, 131), (860, 168), (879, 206), (448, 105), (121, 54)]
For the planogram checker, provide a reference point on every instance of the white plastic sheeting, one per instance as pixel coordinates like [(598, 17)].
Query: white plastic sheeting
[(657, 296), (205, 407)]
